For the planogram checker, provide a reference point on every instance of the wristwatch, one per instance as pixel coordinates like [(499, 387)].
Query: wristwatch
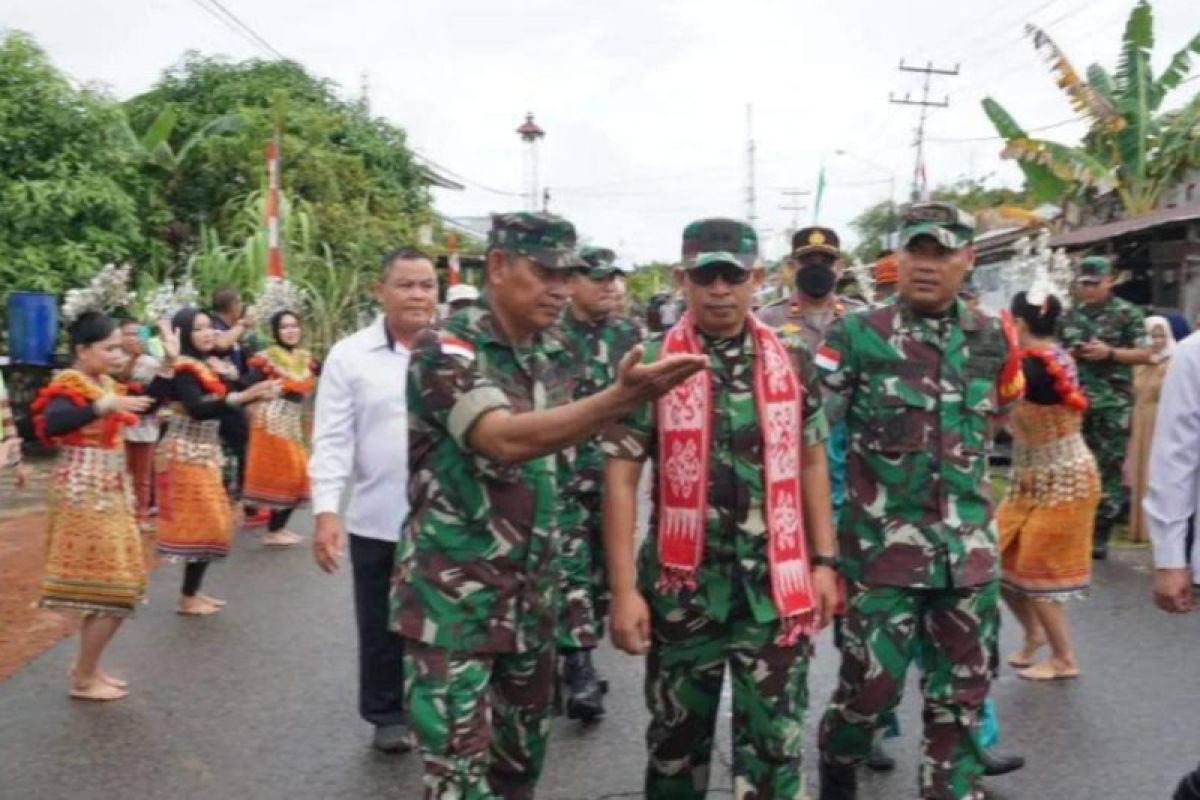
[(826, 561)]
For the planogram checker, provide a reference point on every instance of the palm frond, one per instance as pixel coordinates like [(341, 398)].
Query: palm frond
[(1068, 164), (1177, 68), (1102, 83), (1044, 184), (1084, 99)]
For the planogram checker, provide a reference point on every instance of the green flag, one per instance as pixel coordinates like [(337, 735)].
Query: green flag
[(817, 195)]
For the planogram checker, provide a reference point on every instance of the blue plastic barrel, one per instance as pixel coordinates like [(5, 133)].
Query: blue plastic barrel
[(32, 327)]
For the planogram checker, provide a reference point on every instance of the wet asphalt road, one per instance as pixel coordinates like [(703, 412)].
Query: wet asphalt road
[(259, 702)]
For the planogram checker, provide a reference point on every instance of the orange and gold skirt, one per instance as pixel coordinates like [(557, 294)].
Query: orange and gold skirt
[(277, 460), (94, 558), (194, 519), (1046, 519)]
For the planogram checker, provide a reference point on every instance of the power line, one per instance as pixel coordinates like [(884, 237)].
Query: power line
[(222, 14), (1051, 126)]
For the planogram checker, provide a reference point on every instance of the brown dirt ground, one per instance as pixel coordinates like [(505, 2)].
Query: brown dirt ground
[(25, 630)]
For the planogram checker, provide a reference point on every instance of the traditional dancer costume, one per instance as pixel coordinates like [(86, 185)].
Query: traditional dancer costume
[(277, 464), (1045, 520), (94, 558), (194, 519)]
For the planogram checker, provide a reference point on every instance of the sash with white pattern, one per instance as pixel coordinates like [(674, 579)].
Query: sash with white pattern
[(685, 436)]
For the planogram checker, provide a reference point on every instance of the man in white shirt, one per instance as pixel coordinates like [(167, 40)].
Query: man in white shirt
[(361, 437), (1172, 501)]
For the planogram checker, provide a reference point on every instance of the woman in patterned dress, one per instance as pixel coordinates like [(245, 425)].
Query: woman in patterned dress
[(277, 458), (195, 522), (94, 559), (1046, 518)]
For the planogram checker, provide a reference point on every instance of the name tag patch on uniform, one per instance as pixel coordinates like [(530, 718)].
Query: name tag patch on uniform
[(827, 358)]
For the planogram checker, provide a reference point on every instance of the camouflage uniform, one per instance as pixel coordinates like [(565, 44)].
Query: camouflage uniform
[(916, 538), (731, 616), (598, 348), (477, 567), (1109, 388)]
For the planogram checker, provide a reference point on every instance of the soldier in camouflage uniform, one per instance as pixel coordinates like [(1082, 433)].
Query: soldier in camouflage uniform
[(727, 613), (1106, 335), (477, 578), (599, 337), (925, 381)]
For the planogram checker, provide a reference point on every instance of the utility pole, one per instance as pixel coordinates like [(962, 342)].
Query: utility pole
[(546, 200), (919, 177), (366, 93), (795, 206), (751, 212)]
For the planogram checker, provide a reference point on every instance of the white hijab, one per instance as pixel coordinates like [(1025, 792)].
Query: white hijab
[(1168, 348)]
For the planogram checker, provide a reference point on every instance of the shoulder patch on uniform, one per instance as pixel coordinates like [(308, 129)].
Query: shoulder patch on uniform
[(454, 346), (827, 358)]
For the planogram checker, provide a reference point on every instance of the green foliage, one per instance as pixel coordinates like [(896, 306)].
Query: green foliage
[(65, 202), (646, 280), (1132, 146), (354, 172)]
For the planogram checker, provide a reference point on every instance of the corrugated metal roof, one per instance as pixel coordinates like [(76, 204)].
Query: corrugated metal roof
[(1111, 230)]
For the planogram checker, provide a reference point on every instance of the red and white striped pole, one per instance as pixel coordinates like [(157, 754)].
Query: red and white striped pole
[(274, 254)]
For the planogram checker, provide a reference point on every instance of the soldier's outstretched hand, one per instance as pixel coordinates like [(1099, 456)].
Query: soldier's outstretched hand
[(630, 617), (649, 381)]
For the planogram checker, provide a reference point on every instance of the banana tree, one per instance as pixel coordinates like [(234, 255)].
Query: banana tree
[(154, 146), (1132, 147)]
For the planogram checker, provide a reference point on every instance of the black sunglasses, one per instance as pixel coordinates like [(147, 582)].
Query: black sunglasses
[(707, 275)]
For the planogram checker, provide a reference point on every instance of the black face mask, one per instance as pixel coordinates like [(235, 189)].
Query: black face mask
[(816, 280)]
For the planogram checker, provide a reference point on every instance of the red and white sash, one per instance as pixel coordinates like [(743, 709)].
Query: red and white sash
[(685, 436)]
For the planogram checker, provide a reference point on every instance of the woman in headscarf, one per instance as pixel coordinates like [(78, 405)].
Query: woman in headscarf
[(277, 459), (94, 559), (1046, 518), (1147, 385), (195, 523)]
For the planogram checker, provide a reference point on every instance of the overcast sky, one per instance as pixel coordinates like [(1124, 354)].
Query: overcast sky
[(644, 101)]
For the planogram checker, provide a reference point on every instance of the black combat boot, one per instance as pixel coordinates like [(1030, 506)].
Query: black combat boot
[(838, 782), (1189, 787), (1000, 763), (585, 700), (880, 760)]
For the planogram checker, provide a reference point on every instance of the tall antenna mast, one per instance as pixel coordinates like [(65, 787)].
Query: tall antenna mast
[(530, 135)]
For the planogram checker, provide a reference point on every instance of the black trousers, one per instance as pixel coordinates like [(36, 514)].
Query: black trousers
[(380, 652)]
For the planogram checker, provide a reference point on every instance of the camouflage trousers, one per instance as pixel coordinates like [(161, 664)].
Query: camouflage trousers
[(481, 720), (684, 675), (1106, 431), (952, 631), (584, 590)]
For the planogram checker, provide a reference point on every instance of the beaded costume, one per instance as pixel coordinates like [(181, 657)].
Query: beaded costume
[(194, 519), (1046, 518), (94, 558), (277, 459)]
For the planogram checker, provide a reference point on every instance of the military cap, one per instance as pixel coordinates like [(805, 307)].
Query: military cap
[(816, 240), (718, 240), (1093, 268), (547, 239), (603, 262), (950, 226)]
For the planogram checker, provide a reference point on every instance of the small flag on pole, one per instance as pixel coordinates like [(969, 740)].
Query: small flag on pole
[(274, 254), (818, 195)]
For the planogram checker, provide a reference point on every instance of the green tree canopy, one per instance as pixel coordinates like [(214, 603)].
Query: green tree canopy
[(354, 172), (65, 200)]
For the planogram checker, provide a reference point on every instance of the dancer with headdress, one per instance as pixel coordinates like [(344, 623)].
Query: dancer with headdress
[(277, 460), (94, 559), (195, 523)]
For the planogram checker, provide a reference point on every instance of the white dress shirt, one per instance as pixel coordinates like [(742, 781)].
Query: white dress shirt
[(361, 433), (1173, 494)]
